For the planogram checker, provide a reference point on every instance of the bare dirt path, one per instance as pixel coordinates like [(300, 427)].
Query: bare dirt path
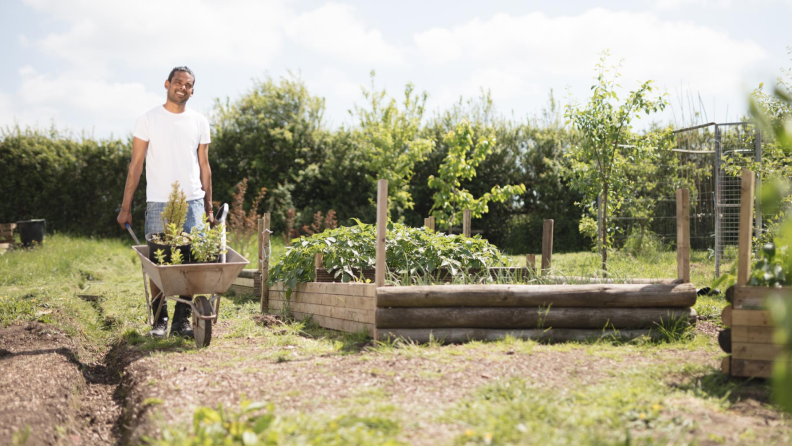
[(50, 397), (63, 401)]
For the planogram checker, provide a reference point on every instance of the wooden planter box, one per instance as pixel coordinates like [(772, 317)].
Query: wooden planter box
[(749, 338), (7, 236), (345, 307)]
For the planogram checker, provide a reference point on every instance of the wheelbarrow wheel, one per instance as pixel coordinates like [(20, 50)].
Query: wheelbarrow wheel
[(203, 327)]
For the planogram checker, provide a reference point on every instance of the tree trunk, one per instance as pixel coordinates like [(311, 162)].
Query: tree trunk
[(604, 229)]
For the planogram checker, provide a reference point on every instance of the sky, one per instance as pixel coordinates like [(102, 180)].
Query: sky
[(93, 66)]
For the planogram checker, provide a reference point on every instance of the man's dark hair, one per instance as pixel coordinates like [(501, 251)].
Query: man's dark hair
[(182, 68)]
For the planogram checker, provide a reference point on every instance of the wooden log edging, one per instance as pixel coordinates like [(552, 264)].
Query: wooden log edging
[(596, 296), (529, 317), (461, 335)]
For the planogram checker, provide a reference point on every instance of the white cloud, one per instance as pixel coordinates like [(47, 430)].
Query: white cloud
[(75, 92), (335, 82), (334, 30), (535, 49), (151, 32)]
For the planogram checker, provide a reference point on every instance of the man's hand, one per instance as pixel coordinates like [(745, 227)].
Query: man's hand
[(124, 217), (210, 218)]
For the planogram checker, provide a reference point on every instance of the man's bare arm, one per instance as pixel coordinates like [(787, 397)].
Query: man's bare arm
[(139, 148), (206, 179)]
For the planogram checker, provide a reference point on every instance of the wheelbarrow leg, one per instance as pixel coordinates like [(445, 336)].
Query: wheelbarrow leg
[(217, 307), (148, 297)]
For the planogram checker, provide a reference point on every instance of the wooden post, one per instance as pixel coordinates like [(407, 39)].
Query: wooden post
[(263, 255), (318, 263), (382, 230), (466, 222), (530, 262), (547, 244), (683, 234), (746, 223), (429, 222)]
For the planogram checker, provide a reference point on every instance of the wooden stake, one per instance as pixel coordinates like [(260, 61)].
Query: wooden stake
[(466, 222), (547, 244), (382, 227), (263, 254), (683, 234), (530, 262), (429, 222), (318, 263), (746, 226)]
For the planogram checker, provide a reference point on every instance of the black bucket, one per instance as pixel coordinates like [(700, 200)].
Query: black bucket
[(154, 246), (32, 231)]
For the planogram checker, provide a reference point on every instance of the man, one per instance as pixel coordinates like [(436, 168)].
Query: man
[(174, 141)]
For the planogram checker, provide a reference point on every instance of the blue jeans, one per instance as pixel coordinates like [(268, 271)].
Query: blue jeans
[(195, 213)]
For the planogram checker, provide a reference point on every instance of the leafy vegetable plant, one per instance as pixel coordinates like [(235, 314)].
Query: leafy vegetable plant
[(409, 250), (206, 242)]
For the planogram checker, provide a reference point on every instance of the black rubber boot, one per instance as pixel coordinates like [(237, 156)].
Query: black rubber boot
[(182, 319), (160, 328)]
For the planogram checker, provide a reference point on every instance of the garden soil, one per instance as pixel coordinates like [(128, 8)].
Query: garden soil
[(67, 402), (49, 394)]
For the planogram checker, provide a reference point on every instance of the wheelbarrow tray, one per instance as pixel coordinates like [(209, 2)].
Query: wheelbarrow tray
[(193, 278)]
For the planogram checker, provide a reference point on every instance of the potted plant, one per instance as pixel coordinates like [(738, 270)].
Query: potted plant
[(206, 243), (172, 246)]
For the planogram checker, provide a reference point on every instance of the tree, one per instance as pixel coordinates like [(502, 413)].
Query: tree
[(273, 135), (390, 142), (599, 160), (460, 164)]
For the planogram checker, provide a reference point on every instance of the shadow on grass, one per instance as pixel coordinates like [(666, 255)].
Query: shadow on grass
[(714, 384)]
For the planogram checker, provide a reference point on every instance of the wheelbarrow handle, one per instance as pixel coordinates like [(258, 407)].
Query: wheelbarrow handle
[(132, 233)]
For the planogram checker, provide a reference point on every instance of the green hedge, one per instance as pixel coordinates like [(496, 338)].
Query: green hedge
[(75, 184)]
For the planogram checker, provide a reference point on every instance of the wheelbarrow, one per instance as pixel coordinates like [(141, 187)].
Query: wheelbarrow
[(193, 279)]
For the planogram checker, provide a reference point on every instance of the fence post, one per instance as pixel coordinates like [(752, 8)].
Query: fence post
[(530, 262), (263, 257), (382, 230), (466, 222), (547, 245), (318, 263), (683, 234), (429, 222), (746, 220)]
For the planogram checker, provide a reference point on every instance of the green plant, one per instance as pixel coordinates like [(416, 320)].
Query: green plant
[(242, 226), (257, 424), (176, 257), (174, 215), (391, 143), (409, 251), (460, 164), (780, 306), (642, 242), (599, 163), (206, 242)]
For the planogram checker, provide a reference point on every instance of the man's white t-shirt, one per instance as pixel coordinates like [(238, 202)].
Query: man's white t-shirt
[(172, 151)]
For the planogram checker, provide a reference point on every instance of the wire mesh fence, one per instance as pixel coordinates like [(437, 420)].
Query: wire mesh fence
[(707, 161)]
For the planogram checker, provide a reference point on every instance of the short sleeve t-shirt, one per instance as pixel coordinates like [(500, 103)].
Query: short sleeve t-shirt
[(172, 151)]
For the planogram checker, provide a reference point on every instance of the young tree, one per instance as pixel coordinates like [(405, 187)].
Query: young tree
[(606, 146), (390, 142), (460, 164)]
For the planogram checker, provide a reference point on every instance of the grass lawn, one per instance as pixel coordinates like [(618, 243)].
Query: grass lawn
[(317, 386)]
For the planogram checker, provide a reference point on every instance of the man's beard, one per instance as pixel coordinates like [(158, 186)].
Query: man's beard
[(179, 100)]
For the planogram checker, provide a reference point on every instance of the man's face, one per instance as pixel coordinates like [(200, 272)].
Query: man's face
[(180, 88)]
